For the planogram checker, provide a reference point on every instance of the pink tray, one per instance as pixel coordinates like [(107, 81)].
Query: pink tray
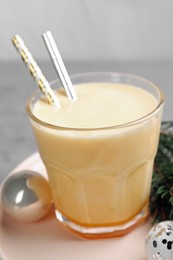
[(46, 240)]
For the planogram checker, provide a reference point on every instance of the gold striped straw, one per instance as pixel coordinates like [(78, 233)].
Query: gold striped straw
[(35, 71)]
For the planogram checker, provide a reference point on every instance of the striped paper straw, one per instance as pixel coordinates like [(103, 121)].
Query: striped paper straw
[(59, 65), (35, 71)]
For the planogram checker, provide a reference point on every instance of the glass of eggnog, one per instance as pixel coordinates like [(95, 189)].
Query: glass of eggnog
[(99, 150)]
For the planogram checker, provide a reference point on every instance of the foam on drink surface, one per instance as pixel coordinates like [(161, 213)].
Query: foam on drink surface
[(98, 105)]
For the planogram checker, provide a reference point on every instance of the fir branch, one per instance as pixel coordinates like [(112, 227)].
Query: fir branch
[(161, 198)]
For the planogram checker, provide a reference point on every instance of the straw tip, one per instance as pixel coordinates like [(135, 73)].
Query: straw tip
[(47, 33), (15, 39), (15, 36)]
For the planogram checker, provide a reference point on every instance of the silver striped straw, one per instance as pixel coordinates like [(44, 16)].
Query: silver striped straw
[(35, 71), (59, 65)]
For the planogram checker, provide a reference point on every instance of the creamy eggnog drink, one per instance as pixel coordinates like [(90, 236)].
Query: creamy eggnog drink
[(99, 151)]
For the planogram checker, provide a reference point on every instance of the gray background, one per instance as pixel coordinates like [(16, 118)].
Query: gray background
[(120, 35), (90, 29)]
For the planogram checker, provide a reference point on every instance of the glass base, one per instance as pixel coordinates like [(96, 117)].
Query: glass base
[(102, 232)]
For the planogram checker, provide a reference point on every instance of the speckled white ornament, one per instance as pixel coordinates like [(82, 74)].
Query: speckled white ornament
[(26, 196), (159, 241)]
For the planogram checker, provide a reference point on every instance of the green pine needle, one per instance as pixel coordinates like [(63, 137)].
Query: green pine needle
[(161, 198)]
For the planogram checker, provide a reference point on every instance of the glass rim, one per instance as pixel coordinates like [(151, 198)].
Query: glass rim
[(84, 129)]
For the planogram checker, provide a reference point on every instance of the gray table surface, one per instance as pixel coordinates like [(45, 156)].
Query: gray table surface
[(16, 139)]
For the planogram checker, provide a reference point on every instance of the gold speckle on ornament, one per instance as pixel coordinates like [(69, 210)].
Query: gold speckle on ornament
[(160, 232)]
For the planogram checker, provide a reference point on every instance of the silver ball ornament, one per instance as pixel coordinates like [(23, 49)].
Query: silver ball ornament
[(26, 196), (159, 241)]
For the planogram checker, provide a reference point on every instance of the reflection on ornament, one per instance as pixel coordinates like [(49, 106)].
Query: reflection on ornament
[(159, 241), (26, 196)]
